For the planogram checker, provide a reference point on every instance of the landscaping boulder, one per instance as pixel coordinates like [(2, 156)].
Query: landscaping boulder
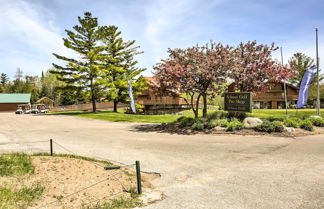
[(289, 129), (315, 116), (250, 122)]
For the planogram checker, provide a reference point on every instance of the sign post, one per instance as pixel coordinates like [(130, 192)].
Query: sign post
[(238, 102)]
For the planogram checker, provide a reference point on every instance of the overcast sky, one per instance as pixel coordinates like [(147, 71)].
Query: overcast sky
[(31, 30)]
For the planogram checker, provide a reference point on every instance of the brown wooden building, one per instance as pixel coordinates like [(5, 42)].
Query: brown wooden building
[(273, 98), (158, 103), (10, 102)]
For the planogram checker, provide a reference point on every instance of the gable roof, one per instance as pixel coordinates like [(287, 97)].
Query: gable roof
[(15, 98)]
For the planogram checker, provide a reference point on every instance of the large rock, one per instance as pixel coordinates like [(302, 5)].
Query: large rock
[(250, 122), (315, 116)]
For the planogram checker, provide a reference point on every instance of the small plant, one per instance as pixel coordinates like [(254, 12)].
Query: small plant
[(217, 115), (234, 125), (182, 118), (307, 125), (319, 122), (271, 119), (223, 123), (212, 124), (238, 115), (278, 126), (292, 122), (198, 125), (187, 121), (269, 127)]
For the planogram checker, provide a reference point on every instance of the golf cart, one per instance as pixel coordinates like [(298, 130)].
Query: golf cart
[(23, 109), (39, 108)]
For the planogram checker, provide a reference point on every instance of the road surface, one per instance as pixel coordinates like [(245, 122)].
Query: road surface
[(198, 171)]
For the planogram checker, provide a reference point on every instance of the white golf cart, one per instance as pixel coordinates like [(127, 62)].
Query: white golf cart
[(23, 109)]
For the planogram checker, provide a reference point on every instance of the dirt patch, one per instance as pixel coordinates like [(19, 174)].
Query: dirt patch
[(174, 128), (63, 176)]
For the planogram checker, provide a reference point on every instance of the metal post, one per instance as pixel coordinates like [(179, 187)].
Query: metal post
[(51, 146), (317, 66), (139, 179), (285, 88)]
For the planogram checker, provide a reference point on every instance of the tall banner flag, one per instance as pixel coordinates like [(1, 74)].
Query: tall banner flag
[(305, 85), (130, 91)]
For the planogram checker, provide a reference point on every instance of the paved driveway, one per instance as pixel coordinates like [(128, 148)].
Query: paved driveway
[(198, 171)]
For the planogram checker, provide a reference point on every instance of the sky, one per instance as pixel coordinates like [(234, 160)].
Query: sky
[(31, 30)]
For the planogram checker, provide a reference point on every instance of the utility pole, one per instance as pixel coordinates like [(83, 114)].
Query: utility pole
[(317, 66), (285, 88)]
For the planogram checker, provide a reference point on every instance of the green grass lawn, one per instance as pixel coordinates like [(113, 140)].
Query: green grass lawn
[(15, 194), (264, 113), (122, 117)]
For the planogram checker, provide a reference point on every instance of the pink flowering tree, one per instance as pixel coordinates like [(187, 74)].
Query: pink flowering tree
[(194, 73), (254, 67)]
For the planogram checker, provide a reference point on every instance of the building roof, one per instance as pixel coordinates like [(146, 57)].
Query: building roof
[(15, 98)]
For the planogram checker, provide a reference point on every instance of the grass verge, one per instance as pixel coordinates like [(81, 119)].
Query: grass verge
[(122, 117), (15, 194)]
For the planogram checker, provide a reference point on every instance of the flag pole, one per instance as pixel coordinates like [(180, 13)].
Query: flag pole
[(284, 82), (317, 66)]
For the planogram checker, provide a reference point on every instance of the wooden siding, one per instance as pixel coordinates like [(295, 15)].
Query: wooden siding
[(9, 107)]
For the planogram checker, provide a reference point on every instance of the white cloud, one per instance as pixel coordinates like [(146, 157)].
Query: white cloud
[(30, 35)]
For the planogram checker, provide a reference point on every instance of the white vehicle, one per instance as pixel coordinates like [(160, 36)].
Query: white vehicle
[(23, 109), (34, 109), (41, 108), (19, 111)]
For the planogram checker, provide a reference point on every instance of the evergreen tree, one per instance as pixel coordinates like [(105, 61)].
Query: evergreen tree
[(120, 65), (4, 80), (82, 73)]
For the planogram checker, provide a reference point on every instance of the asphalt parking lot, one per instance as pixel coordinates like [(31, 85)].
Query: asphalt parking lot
[(198, 171)]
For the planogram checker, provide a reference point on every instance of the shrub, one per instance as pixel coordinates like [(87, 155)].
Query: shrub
[(187, 121), (198, 125), (271, 119), (317, 121), (234, 125), (292, 122), (182, 118), (238, 115), (278, 126), (212, 124), (223, 123), (306, 125), (267, 126), (217, 115)]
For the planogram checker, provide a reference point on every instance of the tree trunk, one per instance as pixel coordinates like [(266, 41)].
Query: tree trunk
[(93, 98), (196, 111), (115, 105), (205, 105)]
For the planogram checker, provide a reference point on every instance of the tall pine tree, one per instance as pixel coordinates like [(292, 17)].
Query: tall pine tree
[(83, 73), (120, 65)]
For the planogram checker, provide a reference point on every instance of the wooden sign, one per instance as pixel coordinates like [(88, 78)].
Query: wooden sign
[(238, 102)]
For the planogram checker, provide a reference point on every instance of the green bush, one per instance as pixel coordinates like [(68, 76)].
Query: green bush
[(306, 125), (217, 115), (271, 119), (223, 123), (292, 122), (187, 121), (238, 115), (234, 124), (317, 121), (182, 118), (267, 126), (278, 126), (212, 124), (198, 125)]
